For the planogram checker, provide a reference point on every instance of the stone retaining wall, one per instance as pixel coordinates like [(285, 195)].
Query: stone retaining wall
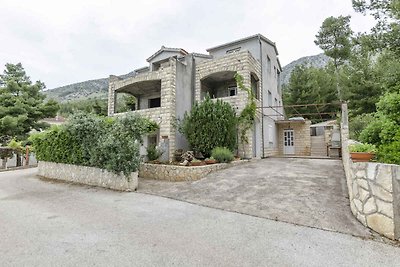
[(87, 175), (175, 173), (374, 192)]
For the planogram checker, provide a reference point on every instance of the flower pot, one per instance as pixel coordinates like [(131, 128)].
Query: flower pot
[(361, 156), (210, 161)]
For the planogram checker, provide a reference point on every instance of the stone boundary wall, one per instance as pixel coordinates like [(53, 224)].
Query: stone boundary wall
[(374, 192), (175, 173), (87, 175)]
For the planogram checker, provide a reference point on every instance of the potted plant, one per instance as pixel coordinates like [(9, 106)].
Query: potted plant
[(362, 152), (210, 160), (196, 162)]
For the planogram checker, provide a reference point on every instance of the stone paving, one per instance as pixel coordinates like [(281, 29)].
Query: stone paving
[(309, 192)]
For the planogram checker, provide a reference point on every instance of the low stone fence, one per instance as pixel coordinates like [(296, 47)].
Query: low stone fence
[(175, 173), (374, 192), (87, 175)]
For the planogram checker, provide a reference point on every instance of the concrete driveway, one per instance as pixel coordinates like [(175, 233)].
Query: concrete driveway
[(309, 192), (45, 223)]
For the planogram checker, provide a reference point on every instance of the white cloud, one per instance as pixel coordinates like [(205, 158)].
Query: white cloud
[(70, 41)]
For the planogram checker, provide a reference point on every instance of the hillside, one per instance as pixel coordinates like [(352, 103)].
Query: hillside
[(99, 87), (318, 61), (81, 90)]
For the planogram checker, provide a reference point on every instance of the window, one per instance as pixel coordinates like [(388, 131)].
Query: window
[(232, 91), (152, 140), (254, 87), (269, 64), (275, 71), (155, 102), (276, 102), (233, 50), (269, 99)]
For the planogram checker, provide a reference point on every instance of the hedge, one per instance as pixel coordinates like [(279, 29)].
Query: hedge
[(89, 140)]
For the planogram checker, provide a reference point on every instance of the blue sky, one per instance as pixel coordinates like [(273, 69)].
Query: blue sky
[(63, 42)]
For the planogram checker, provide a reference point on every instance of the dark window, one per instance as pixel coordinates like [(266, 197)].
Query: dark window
[(155, 102), (152, 140), (232, 91)]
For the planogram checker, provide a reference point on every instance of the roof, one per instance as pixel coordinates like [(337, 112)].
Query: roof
[(167, 49), (256, 36), (324, 123)]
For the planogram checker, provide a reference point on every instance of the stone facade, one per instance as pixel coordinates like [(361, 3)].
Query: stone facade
[(374, 191), (175, 173), (181, 75), (87, 175), (244, 64), (302, 138)]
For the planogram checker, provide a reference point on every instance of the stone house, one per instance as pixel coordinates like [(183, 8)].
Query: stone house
[(174, 79)]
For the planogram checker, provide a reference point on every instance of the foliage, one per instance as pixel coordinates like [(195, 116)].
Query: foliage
[(309, 85), (384, 130), (209, 124), (362, 148), (248, 114), (385, 34), (89, 140), (153, 153), (15, 145), (222, 154), (22, 104), (358, 123), (334, 37)]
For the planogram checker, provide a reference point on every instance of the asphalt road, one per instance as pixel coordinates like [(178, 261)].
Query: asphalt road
[(55, 224)]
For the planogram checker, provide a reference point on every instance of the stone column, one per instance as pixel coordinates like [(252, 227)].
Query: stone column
[(112, 95)]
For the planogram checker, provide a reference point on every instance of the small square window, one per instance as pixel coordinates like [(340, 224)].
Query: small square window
[(232, 91), (155, 102)]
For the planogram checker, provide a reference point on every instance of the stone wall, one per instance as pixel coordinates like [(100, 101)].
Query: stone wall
[(175, 173), (374, 191), (87, 175)]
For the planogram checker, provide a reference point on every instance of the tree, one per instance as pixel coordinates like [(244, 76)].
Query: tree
[(210, 124), (386, 33), (309, 85), (22, 104), (334, 37)]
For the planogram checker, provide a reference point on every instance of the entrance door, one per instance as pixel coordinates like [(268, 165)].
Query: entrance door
[(288, 141)]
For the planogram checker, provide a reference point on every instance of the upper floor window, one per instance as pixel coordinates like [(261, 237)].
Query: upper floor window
[(269, 98), (254, 87), (232, 91), (269, 66), (155, 102), (233, 50)]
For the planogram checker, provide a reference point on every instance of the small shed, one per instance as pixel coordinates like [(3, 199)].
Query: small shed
[(294, 137)]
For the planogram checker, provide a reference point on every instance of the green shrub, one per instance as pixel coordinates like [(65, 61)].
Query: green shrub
[(88, 140), (153, 153), (222, 154), (358, 123), (390, 153), (362, 148), (210, 124)]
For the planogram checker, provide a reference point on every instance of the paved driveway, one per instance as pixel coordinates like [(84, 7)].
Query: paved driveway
[(58, 224), (309, 192)]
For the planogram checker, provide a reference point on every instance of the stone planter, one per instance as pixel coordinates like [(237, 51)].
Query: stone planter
[(361, 156), (197, 163), (88, 175)]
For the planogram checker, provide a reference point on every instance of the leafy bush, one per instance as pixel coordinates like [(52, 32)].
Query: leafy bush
[(153, 153), (362, 148), (88, 140), (358, 123), (210, 124), (390, 153), (222, 154)]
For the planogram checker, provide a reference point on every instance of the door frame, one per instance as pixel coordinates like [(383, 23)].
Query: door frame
[(286, 151)]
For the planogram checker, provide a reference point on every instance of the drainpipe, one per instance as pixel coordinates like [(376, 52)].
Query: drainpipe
[(193, 79), (262, 99)]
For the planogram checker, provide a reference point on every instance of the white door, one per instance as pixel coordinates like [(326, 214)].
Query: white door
[(288, 141)]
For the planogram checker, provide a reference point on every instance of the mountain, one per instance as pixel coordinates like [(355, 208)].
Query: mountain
[(81, 90), (318, 61), (99, 87)]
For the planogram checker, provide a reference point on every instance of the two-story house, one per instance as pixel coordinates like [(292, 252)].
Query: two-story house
[(174, 79)]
